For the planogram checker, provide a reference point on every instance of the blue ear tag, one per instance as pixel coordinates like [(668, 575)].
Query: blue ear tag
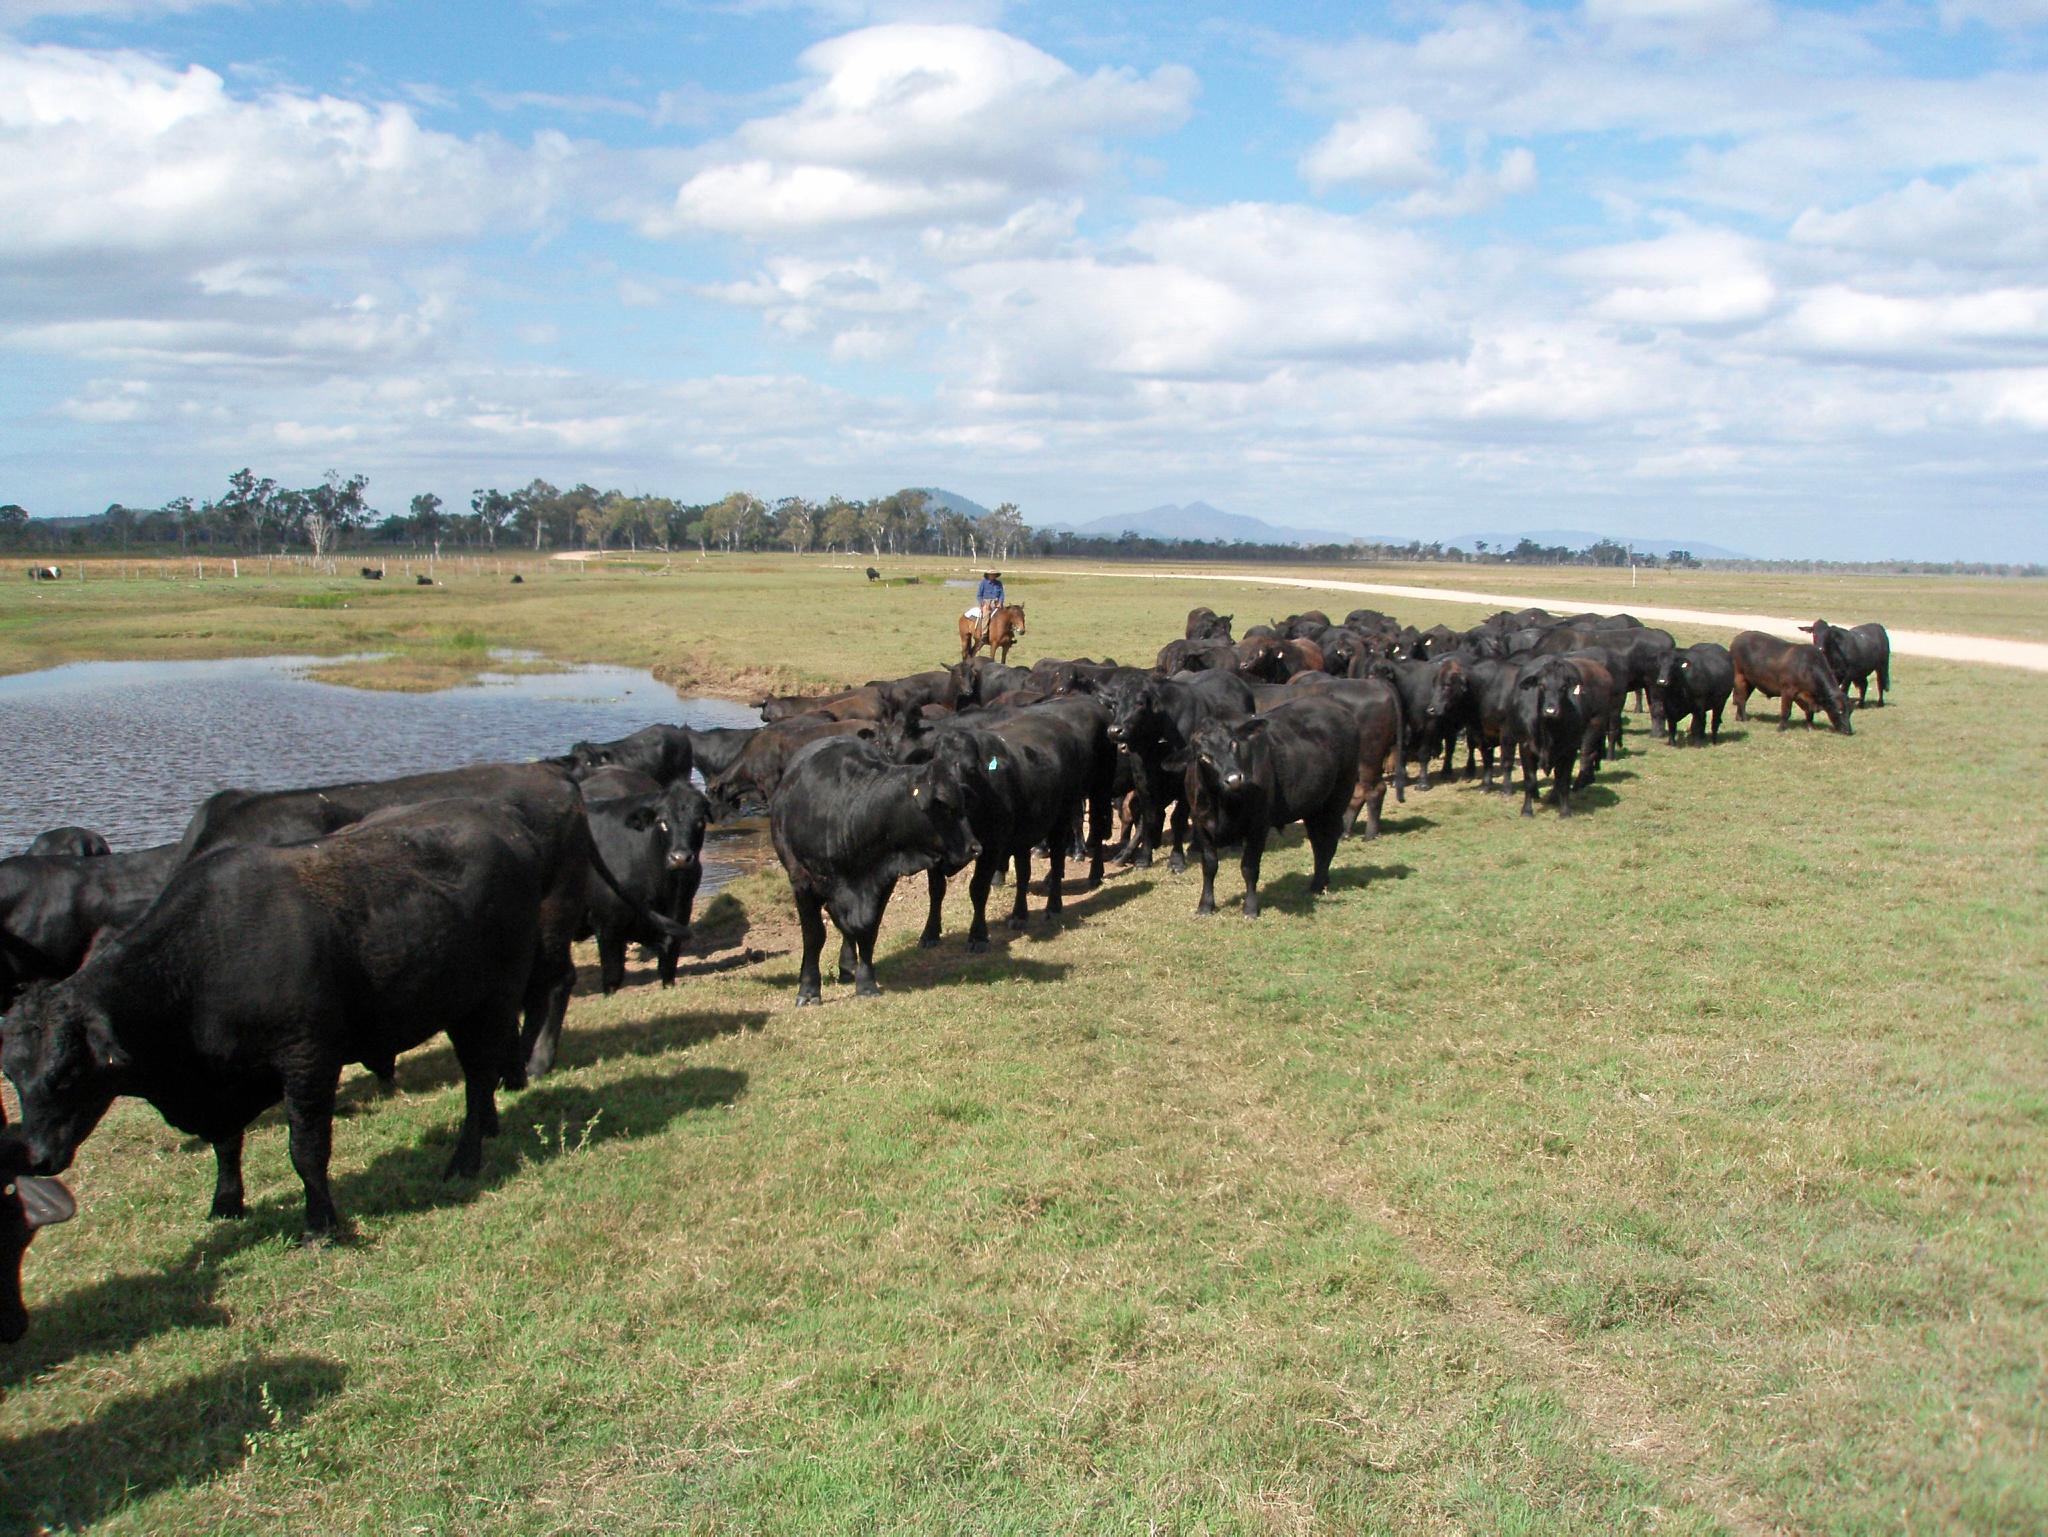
[(994, 764)]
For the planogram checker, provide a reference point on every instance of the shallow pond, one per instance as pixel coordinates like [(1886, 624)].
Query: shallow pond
[(130, 748)]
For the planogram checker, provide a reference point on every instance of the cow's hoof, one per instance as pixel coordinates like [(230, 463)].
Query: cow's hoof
[(845, 976), (1177, 865), (228, 1211), (867, 990), (808, 1000), (977, 947), (464, 1165), (927, 941), (1015, 923)]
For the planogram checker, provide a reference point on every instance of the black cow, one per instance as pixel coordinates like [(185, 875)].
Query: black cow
[(261, 972), (713, 749), (70, 842), (848, 822), (874, 575), (1414, 682), (1561, 714), (662, 753), (423, 581), (1854, 654), (543, 796), (1206, 624), (1694, 682), (1028, 777), (54, 908), (27, 1204), (1377, 709), (1152, 720), (1297, 763), (750, 780), (373, 573), (1634, 654), (518, 580), (1487, 703), (1791, 674), (651, 837)]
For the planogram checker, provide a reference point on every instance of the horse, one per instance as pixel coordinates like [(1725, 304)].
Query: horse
[(1003, 631)]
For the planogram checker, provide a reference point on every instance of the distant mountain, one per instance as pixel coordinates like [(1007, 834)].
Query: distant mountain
[(953, 501), (1199, 520), (1579, 539)]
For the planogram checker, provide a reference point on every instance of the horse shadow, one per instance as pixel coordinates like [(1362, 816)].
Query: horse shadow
[(1290, 893), (537, 1127), (72, 1476)]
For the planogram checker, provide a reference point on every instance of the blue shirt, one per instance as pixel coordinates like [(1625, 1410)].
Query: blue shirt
[(991, 591)]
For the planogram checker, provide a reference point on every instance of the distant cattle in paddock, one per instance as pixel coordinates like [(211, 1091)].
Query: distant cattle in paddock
[(874, 575), (69, 842), (848, 822), (1243, 779), (1790, 673), (1854, 654), (45, 573), (518, 580), (261, 972), (1693, 683), (373, 573), (423, 581)]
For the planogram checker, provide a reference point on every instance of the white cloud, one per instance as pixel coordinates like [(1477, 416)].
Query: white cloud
[(116, 153), (1478, 189), (1384, 148), (1843, 322), (1990, 218), (1692, 277), (910, 123), (14, 13)]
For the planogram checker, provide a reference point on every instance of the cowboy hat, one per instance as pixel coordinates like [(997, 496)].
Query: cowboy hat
[(991, 573)]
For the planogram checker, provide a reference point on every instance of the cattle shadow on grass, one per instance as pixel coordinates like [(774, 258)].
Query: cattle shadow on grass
[(1413, 822), (74, 1476), (672, 1031), (1290, 893), (536, 1127)]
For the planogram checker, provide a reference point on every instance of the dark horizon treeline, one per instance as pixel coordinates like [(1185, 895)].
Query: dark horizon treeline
[(258, 516)]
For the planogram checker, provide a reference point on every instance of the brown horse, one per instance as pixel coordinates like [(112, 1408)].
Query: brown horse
[(1003, 631)]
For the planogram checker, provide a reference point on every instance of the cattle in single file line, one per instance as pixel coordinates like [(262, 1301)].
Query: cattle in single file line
[(261, 972)]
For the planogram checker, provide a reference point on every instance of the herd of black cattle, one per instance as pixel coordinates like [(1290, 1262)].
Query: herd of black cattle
[(290, 933)]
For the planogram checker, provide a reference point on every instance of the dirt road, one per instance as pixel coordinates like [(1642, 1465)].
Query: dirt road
[(1938, 644)]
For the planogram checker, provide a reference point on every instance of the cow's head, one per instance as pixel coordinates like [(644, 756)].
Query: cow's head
[(1228, 754), (1447, 690), (1556, 685), (940, 796), (588, 757), (1670, 669), (62, 1054), (1131, 711)]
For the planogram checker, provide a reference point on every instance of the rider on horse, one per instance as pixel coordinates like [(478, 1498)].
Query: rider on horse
[(990, 599)]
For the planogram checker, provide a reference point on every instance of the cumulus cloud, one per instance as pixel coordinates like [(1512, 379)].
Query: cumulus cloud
[(1988, 218), (907, 123), (1691, 277), (1945, 330), (118, 153), (1383, 148)]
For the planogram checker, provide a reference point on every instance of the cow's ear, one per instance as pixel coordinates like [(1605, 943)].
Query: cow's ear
[(640, 818), (1245, 730), (1529, 682), (99, 1039), (1176, 763)]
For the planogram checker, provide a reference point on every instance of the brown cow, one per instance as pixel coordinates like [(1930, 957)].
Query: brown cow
[(1791, 674)]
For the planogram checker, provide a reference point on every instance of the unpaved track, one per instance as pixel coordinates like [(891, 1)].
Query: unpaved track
[(1940, 645)]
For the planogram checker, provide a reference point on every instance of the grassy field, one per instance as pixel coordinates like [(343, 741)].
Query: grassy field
[(1676, 1168)]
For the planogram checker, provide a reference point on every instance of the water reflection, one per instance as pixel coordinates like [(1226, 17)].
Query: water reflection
[(130, 748)]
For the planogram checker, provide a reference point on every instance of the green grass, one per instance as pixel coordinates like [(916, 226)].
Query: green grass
[(1673, 1168)]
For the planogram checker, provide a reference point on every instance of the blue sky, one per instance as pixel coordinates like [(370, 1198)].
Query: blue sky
[(1766, 275)]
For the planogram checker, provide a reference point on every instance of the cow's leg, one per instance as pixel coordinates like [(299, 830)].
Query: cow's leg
[(1020, 902), (1248, 866), (547, 1001), (1450, 755), (866, 925), (1205, 851), (810, 917), (1179, 861), (1717, 723), (1055, 878), (227, 1178), (1422, 753), (1528, 779), (477, 1050), (1741, 695), (1098, 815), (977, 892), (309, 1112), (848, 955), (611, 959), (1784, 712), (1323, 836), (935, 883)]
